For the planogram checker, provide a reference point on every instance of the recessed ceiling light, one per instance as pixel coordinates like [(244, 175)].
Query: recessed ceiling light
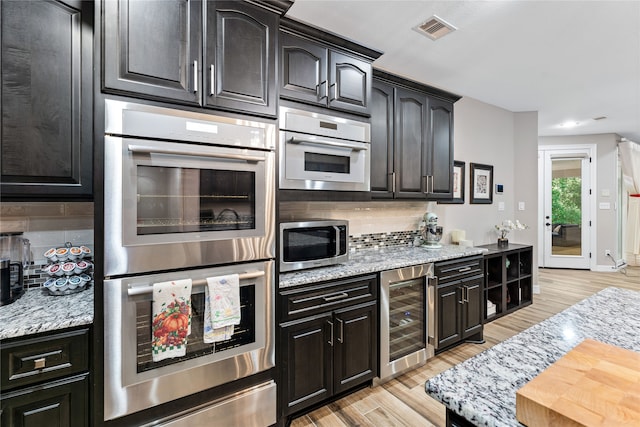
[(435, 27), (569, 124)]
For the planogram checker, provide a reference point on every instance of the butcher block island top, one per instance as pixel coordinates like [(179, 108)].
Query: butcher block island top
[(483, 389), (594, 384)]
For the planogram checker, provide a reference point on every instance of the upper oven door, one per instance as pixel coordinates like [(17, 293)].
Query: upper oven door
[(309, 162), (193, 204)]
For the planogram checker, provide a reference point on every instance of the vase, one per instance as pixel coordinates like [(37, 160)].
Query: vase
[(503, 243)]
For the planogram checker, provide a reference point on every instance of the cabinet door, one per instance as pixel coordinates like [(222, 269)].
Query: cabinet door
[(440, 153), (308, 362), (152, 48), (472, 312), (448, 302), (46, 99), (382, 140), (240, 57), (57, 404), (303, 72), (349, 83), (356, 346), (410, 144)]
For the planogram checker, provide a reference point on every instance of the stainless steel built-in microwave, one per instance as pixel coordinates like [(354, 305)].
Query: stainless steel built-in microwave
[(313, 243), (323, 152)]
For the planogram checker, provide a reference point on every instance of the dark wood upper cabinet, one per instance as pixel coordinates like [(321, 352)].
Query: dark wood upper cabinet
[(153, 48), (46, 100), (382, 134), (411, 144), (303, 72), (218, 54), (440, 166), (240, 57), (322, 69), (411, 140)]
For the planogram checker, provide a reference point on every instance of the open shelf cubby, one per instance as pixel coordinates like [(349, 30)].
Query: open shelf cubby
[(508, 280)]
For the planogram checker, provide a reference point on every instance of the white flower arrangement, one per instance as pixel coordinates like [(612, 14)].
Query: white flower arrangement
[(508, 225)]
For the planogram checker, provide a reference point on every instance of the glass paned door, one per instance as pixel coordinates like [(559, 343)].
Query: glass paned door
[(566, 209), (406, 318)]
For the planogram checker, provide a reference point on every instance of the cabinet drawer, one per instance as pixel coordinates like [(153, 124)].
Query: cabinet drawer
[(321, 297), (30, 361), (448, 271)]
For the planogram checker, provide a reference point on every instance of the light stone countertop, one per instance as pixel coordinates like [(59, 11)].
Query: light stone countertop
[(36, 311), (366, 261), (483, 388)]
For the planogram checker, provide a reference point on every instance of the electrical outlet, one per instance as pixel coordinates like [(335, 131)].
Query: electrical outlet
[(607, 252)]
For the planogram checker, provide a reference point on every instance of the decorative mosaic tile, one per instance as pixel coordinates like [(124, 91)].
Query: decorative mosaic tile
[(381, 240)]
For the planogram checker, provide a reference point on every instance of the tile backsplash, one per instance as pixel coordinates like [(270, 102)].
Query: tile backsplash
[(47, 225)]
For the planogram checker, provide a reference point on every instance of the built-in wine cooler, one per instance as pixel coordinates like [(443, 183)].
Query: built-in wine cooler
[(404, 316)]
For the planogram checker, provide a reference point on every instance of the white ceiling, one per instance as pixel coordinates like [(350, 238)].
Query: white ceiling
[(568, 60)]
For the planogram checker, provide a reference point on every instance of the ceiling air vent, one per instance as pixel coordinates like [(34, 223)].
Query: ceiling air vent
[(435, 28)]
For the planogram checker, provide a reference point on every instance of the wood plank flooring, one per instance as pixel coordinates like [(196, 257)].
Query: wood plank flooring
[(403, 401)]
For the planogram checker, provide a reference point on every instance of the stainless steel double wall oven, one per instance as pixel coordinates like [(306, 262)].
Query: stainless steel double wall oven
[(187, 195)]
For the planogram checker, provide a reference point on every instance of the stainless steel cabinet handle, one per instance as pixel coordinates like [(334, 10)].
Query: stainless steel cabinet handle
[(335, 92), (195, 76), (331, 333), (354, 146), (326, 89), (466, 293), (151, 150), (341, 338), (40, 363), (462, 270), (335, 297), (425, 183), (212, 77)]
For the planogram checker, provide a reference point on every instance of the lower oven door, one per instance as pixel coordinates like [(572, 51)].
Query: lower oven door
[(133, 382)]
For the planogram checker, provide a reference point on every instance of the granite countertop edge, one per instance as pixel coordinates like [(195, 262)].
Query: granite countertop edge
[(36, 311), (373, 260)]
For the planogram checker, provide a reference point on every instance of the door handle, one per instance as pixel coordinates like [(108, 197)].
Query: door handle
[(212, 77), (341, 338), (335, 297), (194, 153), (331, 333), (356, 146)]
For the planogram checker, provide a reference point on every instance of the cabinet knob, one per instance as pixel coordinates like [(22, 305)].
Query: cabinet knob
[(40, 363)]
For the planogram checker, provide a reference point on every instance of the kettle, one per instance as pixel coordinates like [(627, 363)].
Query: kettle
[(15, 255)]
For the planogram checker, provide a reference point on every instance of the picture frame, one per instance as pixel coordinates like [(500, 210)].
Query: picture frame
[(481, 183), (458, 184)]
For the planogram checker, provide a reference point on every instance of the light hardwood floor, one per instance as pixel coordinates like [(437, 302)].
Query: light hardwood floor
[(403, 401)]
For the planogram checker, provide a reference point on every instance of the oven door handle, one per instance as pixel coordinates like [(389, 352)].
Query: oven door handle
[(144, 149), (356, 146), (148, 288)]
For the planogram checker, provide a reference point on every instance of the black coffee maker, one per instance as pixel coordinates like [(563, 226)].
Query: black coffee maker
[(15, 256)]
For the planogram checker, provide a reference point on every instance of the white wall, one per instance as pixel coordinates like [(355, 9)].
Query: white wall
[(606, 220)]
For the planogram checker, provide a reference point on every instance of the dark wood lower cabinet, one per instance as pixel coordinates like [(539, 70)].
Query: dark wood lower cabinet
[(459, 301), (63, 403), (329, 354), (333, 348), (45, 380)]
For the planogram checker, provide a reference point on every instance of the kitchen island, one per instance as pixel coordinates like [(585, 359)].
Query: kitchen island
[(482, 390)]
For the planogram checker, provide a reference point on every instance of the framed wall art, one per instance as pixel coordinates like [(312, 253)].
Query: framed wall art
[(458, 183), (481, 183)]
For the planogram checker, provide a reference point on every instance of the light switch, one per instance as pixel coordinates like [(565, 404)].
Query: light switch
[(605, 192), (500, 206), (520, 206), (605, 205)]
